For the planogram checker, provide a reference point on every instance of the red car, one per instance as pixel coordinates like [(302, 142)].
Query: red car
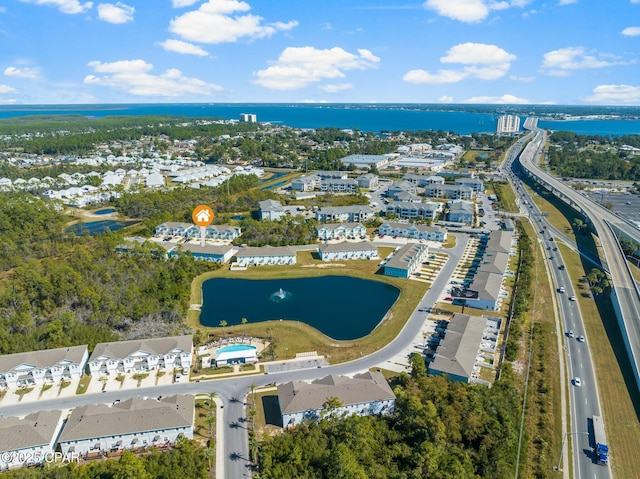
[(448, 298)]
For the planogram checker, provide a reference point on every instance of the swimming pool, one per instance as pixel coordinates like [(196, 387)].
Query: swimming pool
[(234, 348)]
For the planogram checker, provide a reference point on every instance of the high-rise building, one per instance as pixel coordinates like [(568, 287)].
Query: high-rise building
[(508, 124), (248, 117)]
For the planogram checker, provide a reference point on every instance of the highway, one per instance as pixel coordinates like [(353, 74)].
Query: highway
[(584, 400), (625, 296)]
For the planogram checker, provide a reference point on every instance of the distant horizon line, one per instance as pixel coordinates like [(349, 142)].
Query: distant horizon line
[(320, 103)]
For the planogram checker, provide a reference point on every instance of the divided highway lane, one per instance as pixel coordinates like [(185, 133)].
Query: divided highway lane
[(625, 297), (584, 401), (233, 391)]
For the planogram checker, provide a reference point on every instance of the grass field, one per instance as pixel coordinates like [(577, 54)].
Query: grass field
[(294, 337)]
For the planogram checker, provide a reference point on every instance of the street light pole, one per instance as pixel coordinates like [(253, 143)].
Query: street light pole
[(564, 440)]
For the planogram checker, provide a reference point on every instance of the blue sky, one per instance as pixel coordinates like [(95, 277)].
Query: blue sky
[(428, 51)]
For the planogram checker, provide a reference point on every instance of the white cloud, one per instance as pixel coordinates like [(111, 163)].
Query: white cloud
[(215, 22), (297, 67), (567, 2), (470, 11), (185, 48), (562, 61), (183, 3), (118, 13), (500, 100), (333, 88), (521, 79), (134, 77), (484, 62), (614, 95), (65, 6), (445, 99), (631, 31), (7, 89), (28, 73)]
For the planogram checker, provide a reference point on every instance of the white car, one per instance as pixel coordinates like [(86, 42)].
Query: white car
[(561, 289), (577, 382), (580, 339), (572, 298)]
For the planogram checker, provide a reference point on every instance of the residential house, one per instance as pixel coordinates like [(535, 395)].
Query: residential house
[(346, 250), (266, 256), (475, 184), (457, 354), (30, 440), (271, 210), (211, 253), (423, 180), (486, 288), (348, 185), (217, 232), (456, 192), (368, 181), (305, 183), (409, 211), (461, 212), (142, 355), (365, 394), (400, 187), (35, 368), (413, 231), (347, 214), (135, 424), (329, 231), (406, 260), (174, 229)]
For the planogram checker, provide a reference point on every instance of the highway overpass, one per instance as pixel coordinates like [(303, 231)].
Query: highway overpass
[(625, 295)]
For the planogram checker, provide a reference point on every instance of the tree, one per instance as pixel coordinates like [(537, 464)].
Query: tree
[(331, 405), (210, 455), (223, 324), (252, 387), (244, 322)]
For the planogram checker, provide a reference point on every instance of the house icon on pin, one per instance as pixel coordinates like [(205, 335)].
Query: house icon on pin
[(202, 215)]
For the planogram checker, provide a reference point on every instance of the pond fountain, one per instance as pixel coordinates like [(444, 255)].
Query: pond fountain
[(280, 295)]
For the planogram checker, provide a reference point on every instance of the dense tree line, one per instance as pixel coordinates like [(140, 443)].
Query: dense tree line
[(287, 231), (439, 429), (186, 461), (591, 156)]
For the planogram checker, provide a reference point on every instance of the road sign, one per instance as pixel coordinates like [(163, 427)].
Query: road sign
[(202, 215)]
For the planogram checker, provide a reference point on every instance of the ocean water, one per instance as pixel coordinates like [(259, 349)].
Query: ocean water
[(365, 117)]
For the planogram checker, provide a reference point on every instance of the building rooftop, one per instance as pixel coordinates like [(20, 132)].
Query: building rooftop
[(43, 359), (132, 416), (457, 352), (298, 396), (36, 429), (123, 349), (347, 246), (403, 257)]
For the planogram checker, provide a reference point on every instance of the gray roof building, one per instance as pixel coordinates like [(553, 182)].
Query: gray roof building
[(457, 352), (500, 241), (298, 396), (155, 346), (43, 359), (487, 286), (494, 262), (132, 416), (36, 430)]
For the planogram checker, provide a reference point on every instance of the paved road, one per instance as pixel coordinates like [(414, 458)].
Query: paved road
[(233, 391), (584, 399), (625, 295)]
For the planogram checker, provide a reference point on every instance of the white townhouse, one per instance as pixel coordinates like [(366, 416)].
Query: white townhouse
[(271, 210), (346, 250), (475, 184), (456, 192), (305, 183), (368, 181), (174, 229), (407, 210), (141, 355), (461, 212), (340, 230), (346, 214), (423, 180), (135, 424), (24, 441), (414, 231), (211, 253), (39, 367), (216, 232), (365, 394), (406, 260), (265, 256), (348, 185)]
